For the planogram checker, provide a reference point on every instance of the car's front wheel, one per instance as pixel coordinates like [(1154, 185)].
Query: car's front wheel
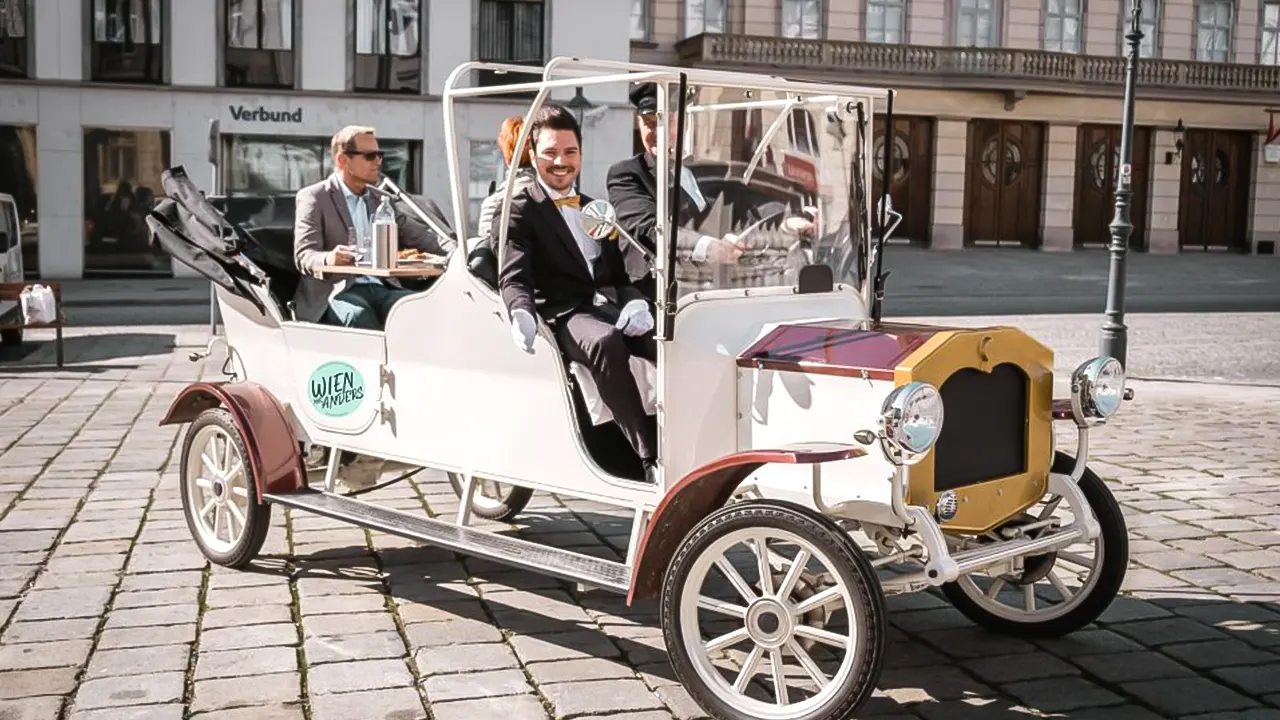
[(1057, 593), (743, 640)]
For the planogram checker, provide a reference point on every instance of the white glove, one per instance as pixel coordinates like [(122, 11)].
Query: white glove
[(523, 328), (799, 225), (718, 250), (635, 318)]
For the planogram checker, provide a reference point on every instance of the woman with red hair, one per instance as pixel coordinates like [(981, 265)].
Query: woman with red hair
[(508, 134)]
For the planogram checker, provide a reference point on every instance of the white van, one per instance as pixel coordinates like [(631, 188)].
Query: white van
[(10, 264)]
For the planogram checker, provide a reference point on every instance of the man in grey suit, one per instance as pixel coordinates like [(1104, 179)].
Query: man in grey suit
[(331, 215)]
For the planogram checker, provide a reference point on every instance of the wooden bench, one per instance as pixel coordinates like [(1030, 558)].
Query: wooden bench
[(12, 292)]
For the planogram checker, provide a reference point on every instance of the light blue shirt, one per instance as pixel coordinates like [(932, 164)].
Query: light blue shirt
[(358, 210), (360, 220)]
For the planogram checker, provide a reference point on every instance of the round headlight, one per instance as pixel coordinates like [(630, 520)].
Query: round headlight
[(1097, 388), (911, 419)]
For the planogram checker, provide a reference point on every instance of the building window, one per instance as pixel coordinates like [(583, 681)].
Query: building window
[(121, 184), (282, 165), (270, 165), (1270, 34), (640, 20), (1150, 28), (1062, 22), (487, 171), (128, 42), (705, 16), (18, 180), (975, 23), (15, 55), (259, 43), (388, 46), (1213, 30), (886, 21), (802, 19), (510, 31)]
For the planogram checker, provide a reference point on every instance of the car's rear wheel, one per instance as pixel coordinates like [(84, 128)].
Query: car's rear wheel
[(1057, 593), (494, 500), (743, 644), (219, 493)]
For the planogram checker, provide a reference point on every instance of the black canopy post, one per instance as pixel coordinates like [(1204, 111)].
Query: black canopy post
[(214, 139), (877, 276)]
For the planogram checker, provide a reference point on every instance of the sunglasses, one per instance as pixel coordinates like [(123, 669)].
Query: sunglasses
[(370, 155)]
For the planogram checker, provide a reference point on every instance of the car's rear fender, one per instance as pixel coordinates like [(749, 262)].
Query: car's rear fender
[(705, 490), (262, 422)]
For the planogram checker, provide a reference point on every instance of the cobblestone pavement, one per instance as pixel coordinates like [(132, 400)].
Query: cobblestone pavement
[(108, 611)]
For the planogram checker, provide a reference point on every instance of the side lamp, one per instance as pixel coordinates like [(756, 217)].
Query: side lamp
[(1178, 144)]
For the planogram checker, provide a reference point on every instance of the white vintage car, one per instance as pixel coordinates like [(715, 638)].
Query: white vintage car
[(805, 467)]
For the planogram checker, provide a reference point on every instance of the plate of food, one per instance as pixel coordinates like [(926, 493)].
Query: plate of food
[(411, 256)]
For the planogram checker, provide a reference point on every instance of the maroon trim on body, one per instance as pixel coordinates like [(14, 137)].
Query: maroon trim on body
[(705, 490), (847, 348), (264, 427)]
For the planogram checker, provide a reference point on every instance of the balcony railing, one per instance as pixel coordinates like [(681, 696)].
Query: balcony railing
[(1001, 68)]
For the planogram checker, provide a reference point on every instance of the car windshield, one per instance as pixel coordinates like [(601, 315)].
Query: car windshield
[(784, 176)]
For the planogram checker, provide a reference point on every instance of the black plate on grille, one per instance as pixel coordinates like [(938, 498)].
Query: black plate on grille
[(984, 430)]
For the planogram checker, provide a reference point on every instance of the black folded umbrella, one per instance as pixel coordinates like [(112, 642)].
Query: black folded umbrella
[(205, 224), (187, 227), (226, 272)]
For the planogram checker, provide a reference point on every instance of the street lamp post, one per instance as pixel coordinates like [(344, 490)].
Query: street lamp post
[(1114, 332), (579, 105)]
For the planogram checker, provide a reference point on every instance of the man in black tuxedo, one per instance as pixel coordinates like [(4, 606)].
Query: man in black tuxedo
[(578, 284), (633, 190), (632, 185)]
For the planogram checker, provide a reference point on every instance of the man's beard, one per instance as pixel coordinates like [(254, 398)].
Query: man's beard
[(560, 182)]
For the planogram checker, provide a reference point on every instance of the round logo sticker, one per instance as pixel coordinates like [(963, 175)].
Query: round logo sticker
[(335, 389)]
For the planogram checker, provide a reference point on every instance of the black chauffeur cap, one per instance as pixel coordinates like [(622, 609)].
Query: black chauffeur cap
[(645, 98)]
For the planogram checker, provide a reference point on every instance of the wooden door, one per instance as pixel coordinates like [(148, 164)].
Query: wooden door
[(1003, 183), (1213, 203), (911, 182), (1097, 169)]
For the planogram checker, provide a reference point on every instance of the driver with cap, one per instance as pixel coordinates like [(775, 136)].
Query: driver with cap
[(633, 188)]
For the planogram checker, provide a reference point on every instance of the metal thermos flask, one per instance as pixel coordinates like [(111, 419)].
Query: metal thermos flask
[(386, 241)]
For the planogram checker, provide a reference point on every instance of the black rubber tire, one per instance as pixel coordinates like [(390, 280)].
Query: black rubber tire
[(853, 567), (1115, 563), (517, 499), (257, 515), (12, 336)]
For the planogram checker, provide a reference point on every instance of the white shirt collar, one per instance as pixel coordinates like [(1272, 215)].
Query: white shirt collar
[(347, 191), (590, 247)]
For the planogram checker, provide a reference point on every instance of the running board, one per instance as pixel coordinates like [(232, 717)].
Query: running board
[(523, 554)]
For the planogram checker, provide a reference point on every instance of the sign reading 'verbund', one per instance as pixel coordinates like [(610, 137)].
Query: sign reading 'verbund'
[(240, 113)]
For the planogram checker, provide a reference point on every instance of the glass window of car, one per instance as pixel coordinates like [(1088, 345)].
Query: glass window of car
[(752, 197)]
